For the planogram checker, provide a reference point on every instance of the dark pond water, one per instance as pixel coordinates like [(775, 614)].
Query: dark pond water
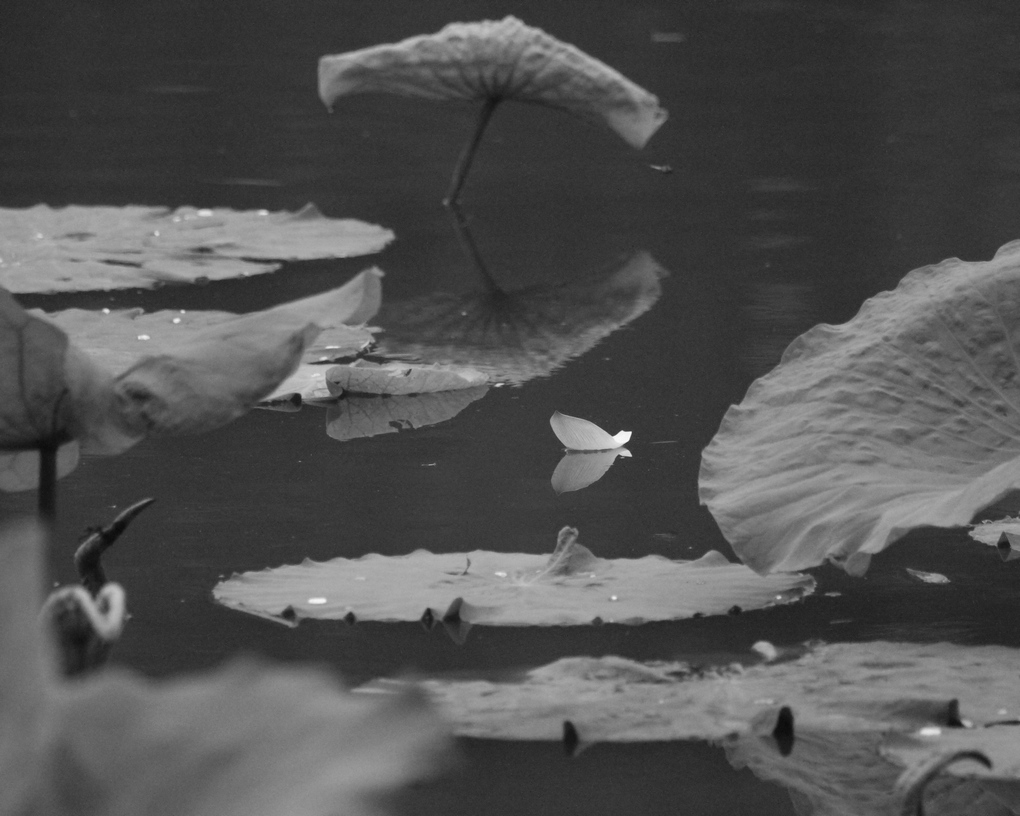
[(820, 150)]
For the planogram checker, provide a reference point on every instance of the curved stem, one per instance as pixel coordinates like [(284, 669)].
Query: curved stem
[(468, 153)]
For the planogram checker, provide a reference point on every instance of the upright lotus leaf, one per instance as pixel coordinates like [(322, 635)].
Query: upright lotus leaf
[(577, 470), (840, 688), (246, 739), (490, 61), (508, 589), (581, 435), (82, 248), (360, 417), (903, 417), (519, 335), (363, 377)]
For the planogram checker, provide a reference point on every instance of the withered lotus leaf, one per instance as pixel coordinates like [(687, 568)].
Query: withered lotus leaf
[(906, 416), (503, 59)]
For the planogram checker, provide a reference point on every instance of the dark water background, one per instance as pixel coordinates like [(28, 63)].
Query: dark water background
[(820, 150)]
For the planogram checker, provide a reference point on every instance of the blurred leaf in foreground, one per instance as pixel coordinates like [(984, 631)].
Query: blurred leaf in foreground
[(906, 416), (82, 248), (196, 376), (488, 62), (247, 740), (570, 587)]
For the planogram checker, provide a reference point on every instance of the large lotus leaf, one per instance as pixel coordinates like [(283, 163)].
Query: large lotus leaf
[(840, 688), (519, 335), (77, 248), (503, 59), (363, 377), (247, 739), (570, 587), (844, 774), (905, 416), (359, 417)]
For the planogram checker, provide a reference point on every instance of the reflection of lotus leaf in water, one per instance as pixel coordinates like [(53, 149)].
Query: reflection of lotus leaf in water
[(357, 417), (904, 417), (516, 336), (392, 379), (578, 469), (114, 742), (841, 688), (81, 248), (571, 587)]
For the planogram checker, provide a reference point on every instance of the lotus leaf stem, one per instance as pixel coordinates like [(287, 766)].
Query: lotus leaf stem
[(468, 153)]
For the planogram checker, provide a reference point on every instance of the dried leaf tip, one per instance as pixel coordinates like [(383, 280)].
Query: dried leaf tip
[(581, 435)]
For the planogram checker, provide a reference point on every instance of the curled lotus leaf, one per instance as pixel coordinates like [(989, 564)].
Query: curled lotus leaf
[(77, 248), (244, 739), (906, 416), (840, 688), (569, 587), (494, 60)]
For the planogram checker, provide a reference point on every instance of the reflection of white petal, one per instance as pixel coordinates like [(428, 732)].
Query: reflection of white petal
[(579, 469), (581, 435)]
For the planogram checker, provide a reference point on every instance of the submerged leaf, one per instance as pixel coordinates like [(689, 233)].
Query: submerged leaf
[(578, 469), (362, 377), (81, 248), (243, 740), (841, 688), (496, 60), (359, 417), (581, 435), (508, 589), (908, 415)]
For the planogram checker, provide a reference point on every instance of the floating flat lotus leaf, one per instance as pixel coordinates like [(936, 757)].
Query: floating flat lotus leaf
[(77, 248), (577, 470), (1004, 533), (247, 739), (508, 589), (581, 435), (358, 417), (519, 335), (496, 60), (363, 377), (906, 416), (842, 688)]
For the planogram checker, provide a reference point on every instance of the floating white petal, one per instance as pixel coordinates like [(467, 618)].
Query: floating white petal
[(581, 435)]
